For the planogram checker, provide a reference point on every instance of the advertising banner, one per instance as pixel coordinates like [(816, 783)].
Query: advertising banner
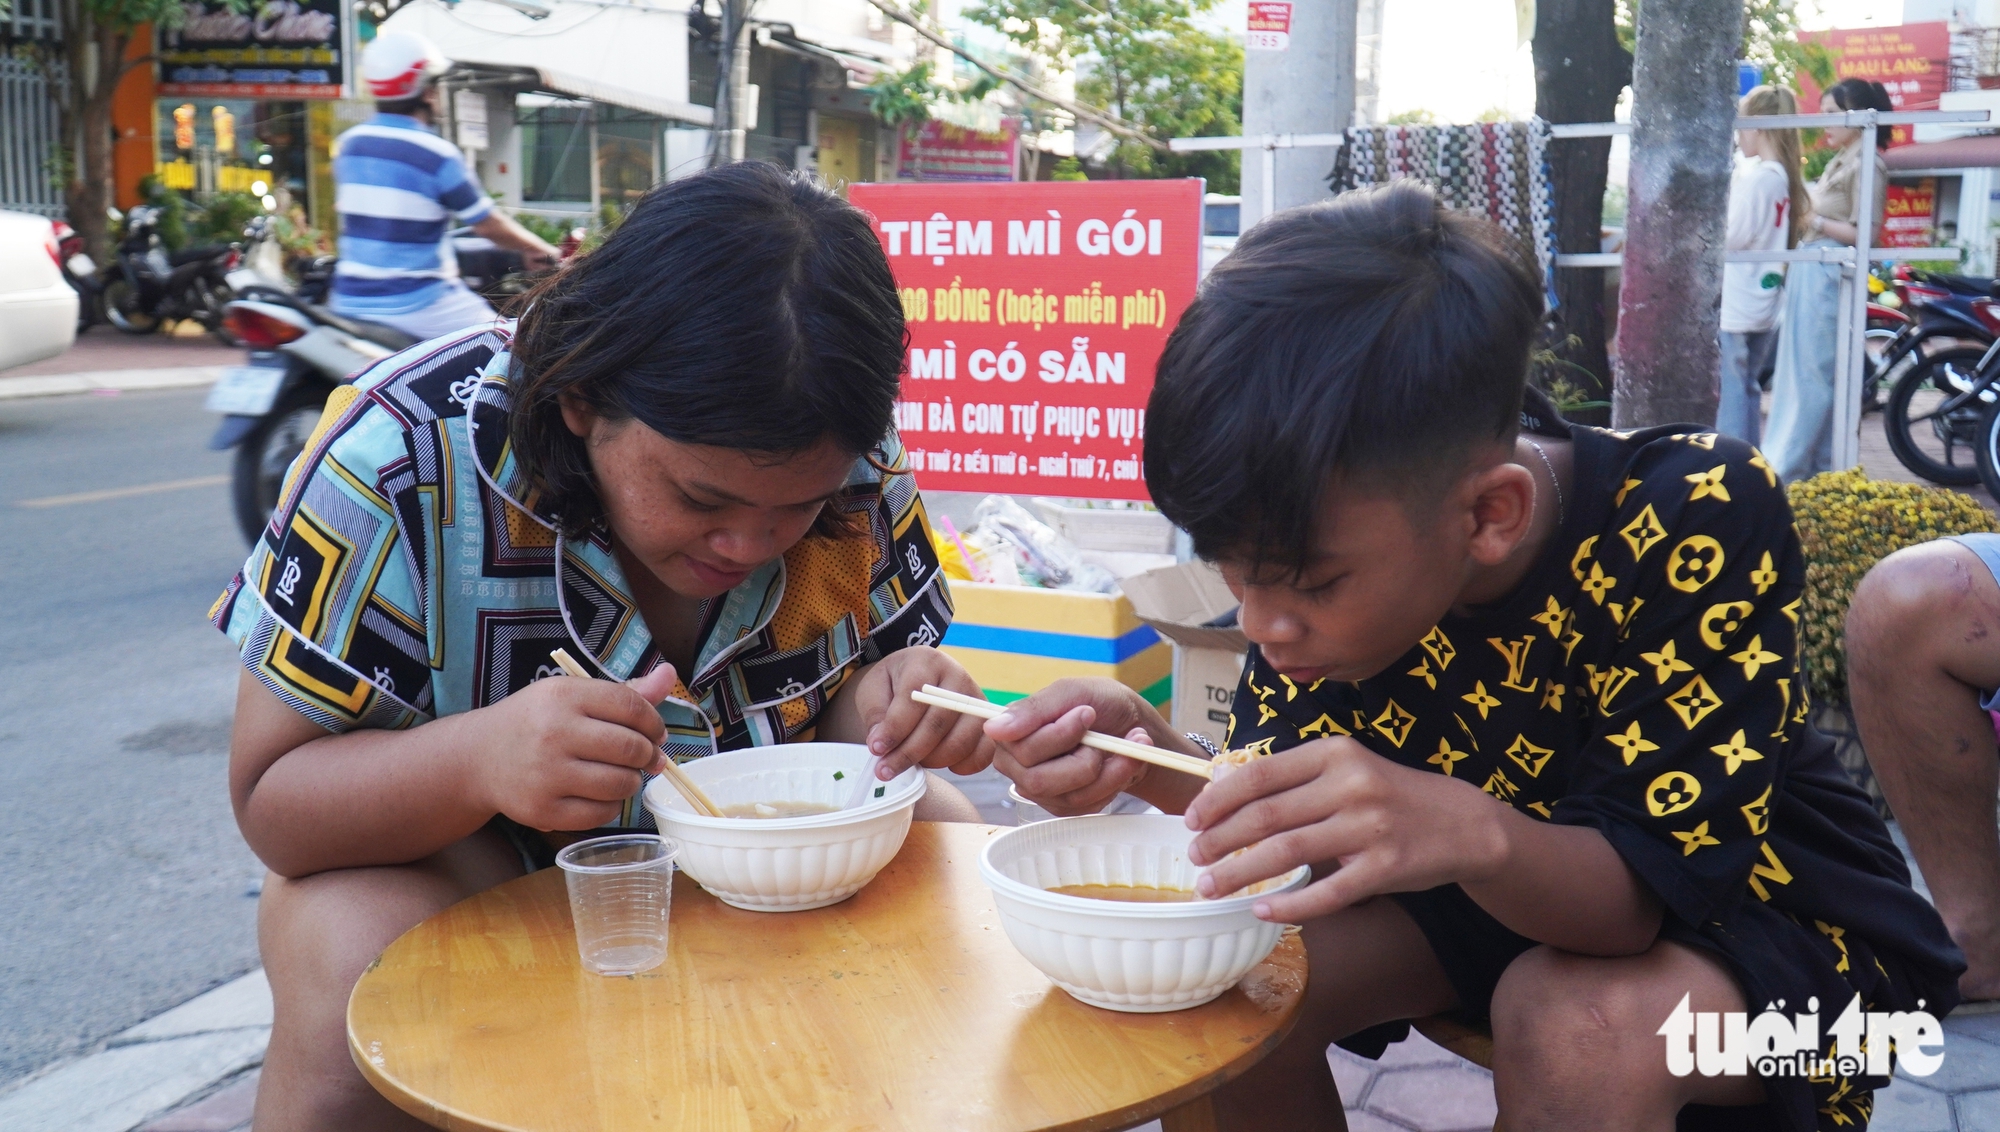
[(1911, 61), (1037, 313), (941, 151), (282, 49), (1269, 26), (1909, 213)]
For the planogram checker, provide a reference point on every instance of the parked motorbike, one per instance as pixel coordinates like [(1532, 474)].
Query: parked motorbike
[(1941, 370), (299, 353), (145, 284), (80, 272)]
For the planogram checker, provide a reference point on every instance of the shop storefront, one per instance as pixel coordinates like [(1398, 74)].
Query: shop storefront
[(243, 100)]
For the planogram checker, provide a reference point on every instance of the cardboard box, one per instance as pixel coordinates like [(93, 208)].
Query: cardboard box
[(1015, 640), (1177, 601), (1108, 528)]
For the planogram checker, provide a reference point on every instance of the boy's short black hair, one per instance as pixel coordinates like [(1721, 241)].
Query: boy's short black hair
[(1375, 339)]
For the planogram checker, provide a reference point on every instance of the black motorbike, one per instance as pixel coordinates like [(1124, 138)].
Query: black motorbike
[(300, 351), (1941, 371), (145, 285)]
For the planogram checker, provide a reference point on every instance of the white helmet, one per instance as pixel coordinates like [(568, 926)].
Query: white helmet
[(399, 65)]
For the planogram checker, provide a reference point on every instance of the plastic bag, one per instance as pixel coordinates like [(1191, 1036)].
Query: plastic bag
[(1007, 536)]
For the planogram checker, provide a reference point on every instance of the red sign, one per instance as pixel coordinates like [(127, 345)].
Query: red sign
[(1270, 27), (940, 151), (1912, 62), (1909, 213), (1037, 313)]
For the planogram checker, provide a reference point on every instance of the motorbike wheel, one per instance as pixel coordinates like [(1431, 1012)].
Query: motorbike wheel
[(1873, 377), (122, 309), (264, 456), (1989, 449), (1938, 448)]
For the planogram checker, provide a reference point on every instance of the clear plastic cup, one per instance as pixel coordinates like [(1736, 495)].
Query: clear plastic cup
[(620, 889)]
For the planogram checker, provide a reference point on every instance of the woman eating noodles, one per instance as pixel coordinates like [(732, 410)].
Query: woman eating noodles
[(679, 467)]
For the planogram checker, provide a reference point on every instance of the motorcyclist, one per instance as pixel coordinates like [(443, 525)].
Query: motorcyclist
[(400, 184)]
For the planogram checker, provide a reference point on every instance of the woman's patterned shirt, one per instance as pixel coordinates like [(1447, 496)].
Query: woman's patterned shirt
[(1643, 681), (408, 573)]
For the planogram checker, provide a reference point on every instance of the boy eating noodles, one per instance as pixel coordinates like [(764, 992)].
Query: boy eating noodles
[(1528, 692)]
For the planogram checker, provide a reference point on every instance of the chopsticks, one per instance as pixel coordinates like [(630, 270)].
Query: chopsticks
[(1160, 757), (671, 772)]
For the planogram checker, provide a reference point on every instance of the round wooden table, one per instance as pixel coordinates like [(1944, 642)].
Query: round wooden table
[(902, 1008)]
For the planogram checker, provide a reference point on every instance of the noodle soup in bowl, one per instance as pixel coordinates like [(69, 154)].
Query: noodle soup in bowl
[(1104, 906), (784, 844)]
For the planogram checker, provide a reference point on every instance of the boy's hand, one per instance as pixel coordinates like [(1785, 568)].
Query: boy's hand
[(565, 753), (906, 733), (1040, 744), (1392, 829)]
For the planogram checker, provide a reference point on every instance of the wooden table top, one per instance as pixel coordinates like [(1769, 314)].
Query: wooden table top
[(904, 1007)]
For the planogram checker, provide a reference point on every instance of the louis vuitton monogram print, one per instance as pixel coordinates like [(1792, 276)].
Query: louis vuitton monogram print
[(410, 572), (1642, 681)]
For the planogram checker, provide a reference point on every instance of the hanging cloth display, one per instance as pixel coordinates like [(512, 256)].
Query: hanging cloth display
[(1495, 169)]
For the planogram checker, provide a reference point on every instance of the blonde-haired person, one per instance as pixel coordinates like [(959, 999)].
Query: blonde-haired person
[(1767, 212), (1800, 442)]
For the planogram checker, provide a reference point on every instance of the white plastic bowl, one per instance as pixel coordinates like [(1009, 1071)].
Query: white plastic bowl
[(786, 864), (1141, 958)]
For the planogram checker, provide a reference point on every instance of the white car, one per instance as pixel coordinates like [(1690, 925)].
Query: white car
[(37, 306)]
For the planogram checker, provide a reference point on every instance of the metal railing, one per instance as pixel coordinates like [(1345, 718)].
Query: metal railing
[(1270, 144)]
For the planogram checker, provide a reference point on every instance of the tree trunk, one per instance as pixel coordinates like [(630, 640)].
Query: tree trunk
[(96, 57), (1669, 307), (1580, 69)]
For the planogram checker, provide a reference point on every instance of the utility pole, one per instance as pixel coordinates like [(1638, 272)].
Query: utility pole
[(1299, 80), (742, 115), (1683, 107)]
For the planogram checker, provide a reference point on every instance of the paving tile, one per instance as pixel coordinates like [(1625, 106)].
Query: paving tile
[(1369, 1122), (233, 1005), (1351, 1074), (1968, 1064), (1909, 1107), (1438, 1099), (224, 1110), (1418, 1050), (114, 1090), (1978, 1112), (1985, 1027)]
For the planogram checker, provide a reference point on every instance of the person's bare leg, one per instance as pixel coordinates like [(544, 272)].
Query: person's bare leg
[(1368, 964), (317, 935), (1923, 639), (1576, 1040), (944, 802)]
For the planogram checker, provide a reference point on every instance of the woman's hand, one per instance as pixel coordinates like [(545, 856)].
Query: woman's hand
[(1041, 748), (905, 733), (565, 753), (1390, 828)]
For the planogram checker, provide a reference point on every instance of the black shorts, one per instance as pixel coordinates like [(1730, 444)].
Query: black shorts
[(1473, 948)]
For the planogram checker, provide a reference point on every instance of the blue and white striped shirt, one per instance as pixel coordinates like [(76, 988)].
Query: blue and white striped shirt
[(399, 184)]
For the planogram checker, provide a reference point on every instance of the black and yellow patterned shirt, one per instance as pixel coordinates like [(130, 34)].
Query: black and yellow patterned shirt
[(1643, 681)]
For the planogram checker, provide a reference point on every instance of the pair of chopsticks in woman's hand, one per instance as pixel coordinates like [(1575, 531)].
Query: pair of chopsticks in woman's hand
[(671, 772), (1160, 757)]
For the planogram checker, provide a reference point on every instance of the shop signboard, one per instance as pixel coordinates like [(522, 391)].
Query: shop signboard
[(283, 49), (1909, 213), (1037, 313), (1269, 26), (941, 151), (1911, 61)]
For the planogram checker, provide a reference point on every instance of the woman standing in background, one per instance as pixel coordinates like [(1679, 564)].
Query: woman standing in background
[(1801, 441), (1767, 212)]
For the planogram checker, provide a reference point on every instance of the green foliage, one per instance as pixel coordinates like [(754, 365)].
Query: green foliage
[(1493, 114), (909, 97), (1146, 62), (548, 228), (222, 218), (1847, 523), (1417, 117), (1816, 157), (1069, 169), (1616, 201)]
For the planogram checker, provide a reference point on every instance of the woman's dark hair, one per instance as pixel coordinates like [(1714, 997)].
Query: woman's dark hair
[(1374, 340), (1861, 94), (743, 307)]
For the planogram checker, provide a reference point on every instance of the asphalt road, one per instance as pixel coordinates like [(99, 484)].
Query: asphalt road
[(126, 886)]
